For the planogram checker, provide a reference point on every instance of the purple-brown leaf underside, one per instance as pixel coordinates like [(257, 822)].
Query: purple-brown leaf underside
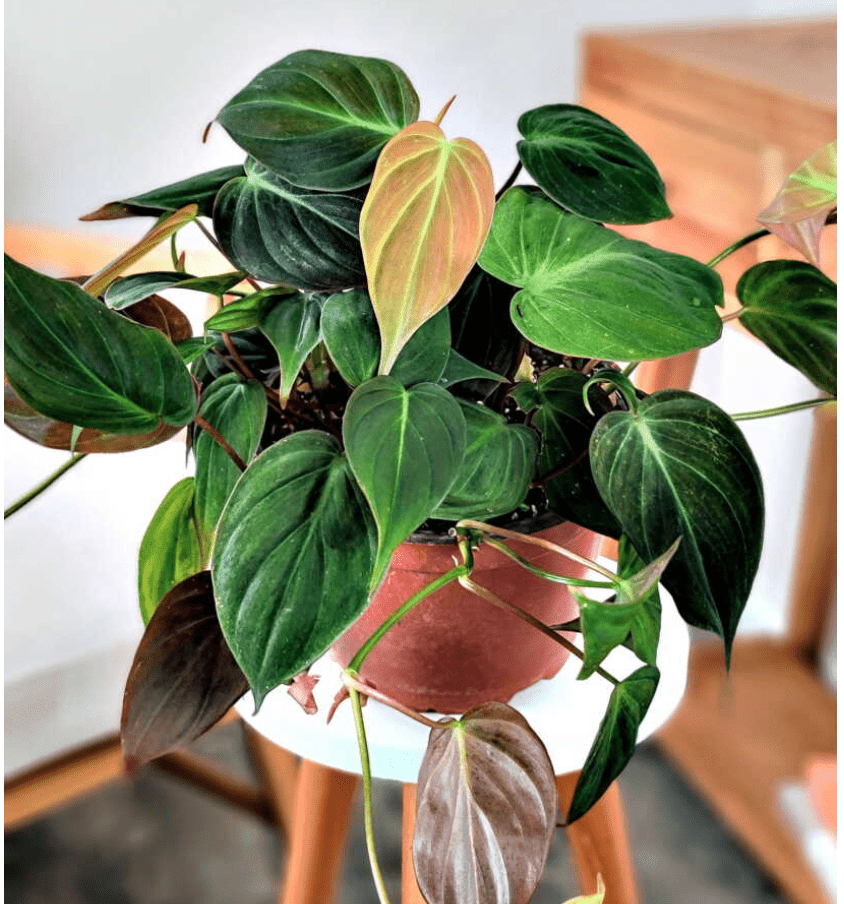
[(422, 227), (183, 679), (486, 810)]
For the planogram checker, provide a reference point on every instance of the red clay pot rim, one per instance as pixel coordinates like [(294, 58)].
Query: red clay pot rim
[(531, 525)]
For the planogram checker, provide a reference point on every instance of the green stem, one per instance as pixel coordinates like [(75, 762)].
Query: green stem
[(398, 615), (627, 372), (736, 245), (510, 180), (784, 409), (351, 679), (38, 490), (367, 795), (541, 572)]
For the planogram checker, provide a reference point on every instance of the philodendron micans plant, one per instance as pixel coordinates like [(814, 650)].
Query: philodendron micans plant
[(398, 344)]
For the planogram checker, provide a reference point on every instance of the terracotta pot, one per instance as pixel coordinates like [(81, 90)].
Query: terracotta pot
[(455, 650)]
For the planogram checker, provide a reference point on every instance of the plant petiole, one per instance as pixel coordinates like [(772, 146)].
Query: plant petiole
[(761, 233), (548, 575), (351, 679), (784, 409), (220, 440), (39, 489)]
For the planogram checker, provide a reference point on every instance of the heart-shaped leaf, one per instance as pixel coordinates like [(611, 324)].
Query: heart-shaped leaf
[(566, 426), (792, 307), (183, 679), (616, 739), (281, 233), (293, 558), (486, 809), (423, 224), (405, 447), (237, 410), (292, 325), (589, 292), (423, 359), (350, 333), (200, 190), (693, 476), (71, 359), (496, 470), (134, 288), (589, 166), (319, 119), (171, 549)]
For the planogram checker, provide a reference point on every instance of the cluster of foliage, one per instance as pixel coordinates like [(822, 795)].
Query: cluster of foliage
[(398, 345)]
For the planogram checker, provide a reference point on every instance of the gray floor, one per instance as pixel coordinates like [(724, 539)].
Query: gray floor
[(153, 840)]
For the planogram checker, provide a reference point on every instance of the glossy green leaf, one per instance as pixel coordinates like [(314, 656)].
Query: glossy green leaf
[(320, 119), (237, 410), (72, 359), (486, 809), (792, 307), (350, 333), (292, 325), (566, 426), (280, 233), (589, 292), (422, 226), (134, 288), (171, 549), (423, 359), (496, 470), (616, 739), (693, 476), (461, 370), (405, 447), (194, 348), (247, 312), (200, 190), (183, 679), (590, 166), (293, 558)]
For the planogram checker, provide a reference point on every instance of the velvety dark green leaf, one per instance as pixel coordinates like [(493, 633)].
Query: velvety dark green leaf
[(496, 470), (486, 809), (237, 410), (350, 333), (134, 288), (246, 313), (200, 190), (192, 349), (461, 370), (792, 307), (72, 359), (183, 679), (281, 233), (589, 166), (680, 467), (171, 549), (405, 447), (566, 426), (293, 558), (616, 739), (251, 345), (292, 325), (589, 292), (481, 327), (425, 355), (320, 119)]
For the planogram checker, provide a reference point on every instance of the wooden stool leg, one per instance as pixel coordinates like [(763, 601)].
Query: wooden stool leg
[(410, 893), (277, 768), (599, 844), (321, 815)]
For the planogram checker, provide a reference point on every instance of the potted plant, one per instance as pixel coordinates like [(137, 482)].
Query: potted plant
[(410, 380)]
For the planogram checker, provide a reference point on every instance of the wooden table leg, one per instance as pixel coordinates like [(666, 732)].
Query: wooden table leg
[(410, 893), (321, 816), (599, 844), (277, 768)]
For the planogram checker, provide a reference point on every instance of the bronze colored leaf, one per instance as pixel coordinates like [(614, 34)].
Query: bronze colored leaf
[(183, 679), (486, 809), (161, 315), (423, 224)]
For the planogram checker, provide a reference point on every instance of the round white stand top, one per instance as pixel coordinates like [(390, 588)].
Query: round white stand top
[(564, 712)]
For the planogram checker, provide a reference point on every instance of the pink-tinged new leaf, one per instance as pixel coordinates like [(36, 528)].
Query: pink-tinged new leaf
[(422, 227), (798, 212)]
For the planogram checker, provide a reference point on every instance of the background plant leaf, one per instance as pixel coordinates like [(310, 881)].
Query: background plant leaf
[(405, 447), (590, 166), (422, 226), (171, 550), (73, 360), (486, 809), (589, 292), (134, 288), (161, 315), (792, 307), (696, 478), (319, 119), (461, 370), (246, 313), (293, 558), (292, 325), (616, 739), (423, 359), (183, 679), (350, 333)]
